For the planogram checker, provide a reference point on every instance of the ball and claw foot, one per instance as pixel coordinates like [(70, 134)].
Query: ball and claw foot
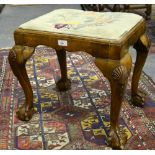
[(139, 98), (117, 139), (24, 113), (63, 85)]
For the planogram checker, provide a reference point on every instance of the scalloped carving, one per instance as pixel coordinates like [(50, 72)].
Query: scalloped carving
[(120, 73)]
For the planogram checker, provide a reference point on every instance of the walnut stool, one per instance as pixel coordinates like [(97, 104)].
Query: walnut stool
[(106, 36)]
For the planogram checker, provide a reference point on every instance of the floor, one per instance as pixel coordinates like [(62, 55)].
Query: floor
[(14, 15)]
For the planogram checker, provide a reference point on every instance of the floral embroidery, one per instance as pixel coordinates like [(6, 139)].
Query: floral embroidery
[(60, 26), (106, 25)]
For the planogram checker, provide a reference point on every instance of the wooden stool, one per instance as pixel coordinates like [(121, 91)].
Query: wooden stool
[(106, 36)]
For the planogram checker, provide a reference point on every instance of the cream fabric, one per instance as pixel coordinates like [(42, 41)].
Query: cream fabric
[(105, 25)]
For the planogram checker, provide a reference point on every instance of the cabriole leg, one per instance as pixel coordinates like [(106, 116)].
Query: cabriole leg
[(142, 48), (17, 58), (117, 73), (117, 138), (64, 83)]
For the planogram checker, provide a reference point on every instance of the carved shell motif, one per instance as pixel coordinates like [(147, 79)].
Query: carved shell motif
[(120, 73)]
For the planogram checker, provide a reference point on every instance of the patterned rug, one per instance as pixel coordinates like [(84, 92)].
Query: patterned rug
[(68, 120)]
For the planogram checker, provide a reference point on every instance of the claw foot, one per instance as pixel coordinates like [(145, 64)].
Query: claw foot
[(139, 98), (63, 85), (117, 139), (24, 113)]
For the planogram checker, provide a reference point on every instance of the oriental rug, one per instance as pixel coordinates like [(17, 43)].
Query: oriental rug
[(70, 120)]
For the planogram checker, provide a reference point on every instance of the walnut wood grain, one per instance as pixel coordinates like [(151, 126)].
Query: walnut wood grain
[(142, 47), (17, 58)]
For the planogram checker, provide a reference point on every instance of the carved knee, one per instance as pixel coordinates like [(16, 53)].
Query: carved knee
[(120, 74), (20, 54)]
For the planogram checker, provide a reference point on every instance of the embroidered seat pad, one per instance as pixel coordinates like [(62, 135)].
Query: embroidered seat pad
[(99, 25)]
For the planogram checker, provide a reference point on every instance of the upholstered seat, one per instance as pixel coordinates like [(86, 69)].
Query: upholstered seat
[(107, 25)]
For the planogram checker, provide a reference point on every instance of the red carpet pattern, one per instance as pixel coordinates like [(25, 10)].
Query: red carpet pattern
[(75, 119)]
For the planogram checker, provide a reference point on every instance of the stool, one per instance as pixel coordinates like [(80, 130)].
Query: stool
[(106, 36)]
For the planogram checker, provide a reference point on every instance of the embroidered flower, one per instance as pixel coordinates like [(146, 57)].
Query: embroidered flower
[(60, 26)]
